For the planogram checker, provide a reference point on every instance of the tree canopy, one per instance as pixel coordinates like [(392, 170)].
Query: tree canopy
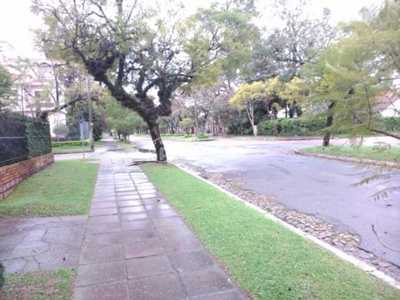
[(5, 88), (137, 50), (351, 76)]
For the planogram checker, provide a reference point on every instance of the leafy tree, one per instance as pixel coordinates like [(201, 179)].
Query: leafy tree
[(28, 74), (5, 88), (61, 130), (247, 97), (179, 110), (206, 102), (296, 40), (293, 93), (350, 77), (186, 124), (157, 52), (121, 119)]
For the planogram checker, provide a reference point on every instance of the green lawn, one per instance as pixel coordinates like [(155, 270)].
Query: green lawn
[(76, 149), (64, 188), (121, 144), (39, 285), (265, 259), (366, 152)]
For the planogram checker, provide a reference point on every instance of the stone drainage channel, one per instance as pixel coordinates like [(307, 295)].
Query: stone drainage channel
[(342, 240)]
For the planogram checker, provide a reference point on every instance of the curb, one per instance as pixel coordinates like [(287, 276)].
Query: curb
[(350, 159), (146, 150), (354, 261)]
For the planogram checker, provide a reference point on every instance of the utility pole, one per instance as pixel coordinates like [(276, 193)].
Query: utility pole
[(89, 99)]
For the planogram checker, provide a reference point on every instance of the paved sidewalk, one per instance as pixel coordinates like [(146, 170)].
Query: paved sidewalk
[(137, 247), (30, 245)]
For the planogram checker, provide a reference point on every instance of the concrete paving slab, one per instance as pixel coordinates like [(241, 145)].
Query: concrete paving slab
[(144, 248), (133, 217), (103, 211), (103, 228), (156, 256), (190, 261), (205, 282), (160, 287), (126, 203), (231, 295), (190, 243), (132, 209), (155, 214), (102, 219), (148, 266), (165, 222), (139, 235), (105, 204), (102, 239), (108, 272), (137, 225), (35, 244), (108, 291), (104, 253)]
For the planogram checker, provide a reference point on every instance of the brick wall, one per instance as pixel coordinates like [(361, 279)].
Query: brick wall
[(12, 175)]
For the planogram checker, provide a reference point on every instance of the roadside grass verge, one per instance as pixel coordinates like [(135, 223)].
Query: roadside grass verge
[(121, 144), (188, 138), (265, 259), (365, 152), (64, 188), (39, 285), (76, 149)]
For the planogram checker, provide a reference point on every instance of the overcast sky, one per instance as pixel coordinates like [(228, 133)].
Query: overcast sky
[(16, 20)]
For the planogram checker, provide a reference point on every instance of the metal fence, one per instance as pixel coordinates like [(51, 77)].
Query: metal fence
[(22, 137)]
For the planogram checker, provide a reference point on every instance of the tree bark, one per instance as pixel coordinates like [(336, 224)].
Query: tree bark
[(255, 130), (158, 143), (329, 122)]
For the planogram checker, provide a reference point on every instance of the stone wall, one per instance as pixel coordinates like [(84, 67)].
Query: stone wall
[(12, 175)]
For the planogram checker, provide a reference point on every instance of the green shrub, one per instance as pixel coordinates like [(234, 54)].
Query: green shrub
[(69, 144), (203, 136), (38, 137), (313, 126), (292, 127), (392, 124), (186, 124)]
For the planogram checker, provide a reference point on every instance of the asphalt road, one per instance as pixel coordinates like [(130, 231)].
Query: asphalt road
[(316, 186)]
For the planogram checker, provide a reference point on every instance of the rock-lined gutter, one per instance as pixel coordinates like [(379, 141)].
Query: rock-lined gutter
[(343, 240)]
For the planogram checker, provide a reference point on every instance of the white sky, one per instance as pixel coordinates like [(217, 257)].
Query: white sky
[(16, 20)]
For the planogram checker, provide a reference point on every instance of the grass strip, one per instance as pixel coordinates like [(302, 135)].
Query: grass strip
[(365, 152), (124, 145), (188, 138), (267, 260), (76, 149), (39, 285), (64, 188)]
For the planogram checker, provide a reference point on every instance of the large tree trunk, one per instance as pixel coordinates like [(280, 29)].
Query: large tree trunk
[(255, 129), (329, 122), (158, 143)]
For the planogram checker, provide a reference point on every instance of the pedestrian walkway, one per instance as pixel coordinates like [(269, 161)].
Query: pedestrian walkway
[(136, 246)]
